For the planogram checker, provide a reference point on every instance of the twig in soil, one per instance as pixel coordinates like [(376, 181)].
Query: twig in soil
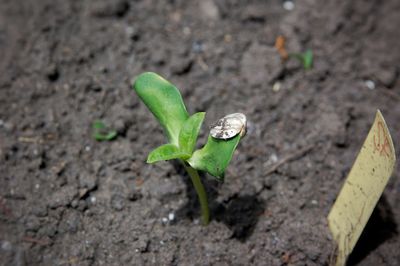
[(41, 242), (290, 157)]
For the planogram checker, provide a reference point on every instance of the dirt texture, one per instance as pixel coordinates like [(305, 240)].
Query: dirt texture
[(66, 199)]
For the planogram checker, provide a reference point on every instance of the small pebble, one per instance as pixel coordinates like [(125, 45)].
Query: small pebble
[(314, 202), (273, 158), (164, 220), (370, 84), (1, 123), (93, 199), (6, 246), (288, 5), (277, 86), (87, 148), (171, 216)]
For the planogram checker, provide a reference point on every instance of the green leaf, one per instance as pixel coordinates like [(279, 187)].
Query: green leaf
[(165, 102), (101, 133), (215, 156), (190, 132), (166, 152), (308, 59)]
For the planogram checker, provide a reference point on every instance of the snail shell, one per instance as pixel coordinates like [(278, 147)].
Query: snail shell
[(229, 126)]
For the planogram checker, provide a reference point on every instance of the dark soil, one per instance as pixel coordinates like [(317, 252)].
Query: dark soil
[(66, 199)]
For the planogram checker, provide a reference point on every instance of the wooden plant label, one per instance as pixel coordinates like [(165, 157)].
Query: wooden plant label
[(362, 189)]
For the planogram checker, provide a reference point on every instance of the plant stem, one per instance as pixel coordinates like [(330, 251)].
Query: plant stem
[(201, 193)]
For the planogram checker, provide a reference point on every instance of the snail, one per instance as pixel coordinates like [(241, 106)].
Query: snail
[(229, 126)]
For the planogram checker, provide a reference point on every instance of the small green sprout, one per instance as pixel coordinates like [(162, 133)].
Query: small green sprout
[(165, 102), (306, 58), (102, 133)]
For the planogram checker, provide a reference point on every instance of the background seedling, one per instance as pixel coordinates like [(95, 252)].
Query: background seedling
[(306, 58), (165, 102), (102, 133)]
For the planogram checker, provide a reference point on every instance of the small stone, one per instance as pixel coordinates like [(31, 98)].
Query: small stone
[(370, 84), (164, 220), (273, 158), (93, 199), (6, 245), (288, 5), (276, 87), (171, 216), (117, 202)]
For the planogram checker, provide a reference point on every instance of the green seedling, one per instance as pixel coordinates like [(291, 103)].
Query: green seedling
[(102, 133), (306, 58), (165, 102)]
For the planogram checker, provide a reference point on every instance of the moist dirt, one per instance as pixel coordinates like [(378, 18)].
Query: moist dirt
[(66, 199)]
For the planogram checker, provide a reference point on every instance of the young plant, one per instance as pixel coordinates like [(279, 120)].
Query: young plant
[(165, 102), (101, 132), (306, 58)]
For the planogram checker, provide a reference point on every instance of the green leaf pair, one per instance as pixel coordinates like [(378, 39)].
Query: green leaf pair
[(165, 102), (102, 133), (187, 142), (306, 58)]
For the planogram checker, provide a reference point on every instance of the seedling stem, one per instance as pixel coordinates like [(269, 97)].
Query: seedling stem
[(201, 192)]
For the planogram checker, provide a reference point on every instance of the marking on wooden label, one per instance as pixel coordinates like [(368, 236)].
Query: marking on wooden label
[(362, 189)]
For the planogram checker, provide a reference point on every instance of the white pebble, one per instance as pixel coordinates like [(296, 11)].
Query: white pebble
[(288, 5), (171, 216), (87, 148), (164, 220), (277, 86), (37, 186), (314, 202), (273, 158), (370, 84), (93, 199), (6, 246), (1, 123)]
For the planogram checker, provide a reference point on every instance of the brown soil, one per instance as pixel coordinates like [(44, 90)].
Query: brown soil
[(66, 199)]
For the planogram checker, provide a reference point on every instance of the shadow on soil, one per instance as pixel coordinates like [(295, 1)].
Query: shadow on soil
[(240, 213), (380, 227)]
